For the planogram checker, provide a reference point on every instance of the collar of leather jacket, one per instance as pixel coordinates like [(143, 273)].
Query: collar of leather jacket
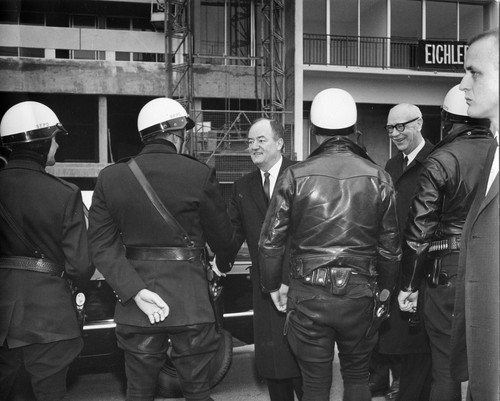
[(340, 143), (461, 130)]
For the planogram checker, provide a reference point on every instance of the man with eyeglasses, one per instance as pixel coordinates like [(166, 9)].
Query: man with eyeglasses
[(445, 190), (402, 349)]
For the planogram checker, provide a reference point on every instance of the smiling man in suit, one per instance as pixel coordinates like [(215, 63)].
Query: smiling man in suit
[(403, 349), (248, 207)]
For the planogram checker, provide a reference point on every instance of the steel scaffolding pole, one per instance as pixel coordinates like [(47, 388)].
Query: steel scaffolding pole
[(273, 58), (178, 51)]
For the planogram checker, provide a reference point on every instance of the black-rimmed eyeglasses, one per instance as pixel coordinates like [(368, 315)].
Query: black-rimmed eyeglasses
[(400, 127)]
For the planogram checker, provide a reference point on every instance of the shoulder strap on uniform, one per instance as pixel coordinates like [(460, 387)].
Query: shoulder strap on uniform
[(157, 203)]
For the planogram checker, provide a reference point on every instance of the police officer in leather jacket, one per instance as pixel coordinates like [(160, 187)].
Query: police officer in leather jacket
[(444, 194), (338, 209)]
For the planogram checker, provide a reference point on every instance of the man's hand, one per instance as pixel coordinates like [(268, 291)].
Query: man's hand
[(408, 301), (280, 298), (152, 305)]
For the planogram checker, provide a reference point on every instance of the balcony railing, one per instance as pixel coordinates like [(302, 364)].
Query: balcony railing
[(360, 51)]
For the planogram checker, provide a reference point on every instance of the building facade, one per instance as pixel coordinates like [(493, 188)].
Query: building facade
[(96, 63)]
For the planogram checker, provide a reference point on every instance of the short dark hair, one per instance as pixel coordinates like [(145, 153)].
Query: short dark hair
[(163, 135), (40, 147), (276, 127)]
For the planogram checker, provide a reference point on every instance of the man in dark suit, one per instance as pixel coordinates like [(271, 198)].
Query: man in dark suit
[(476, 314), (402, 348), (248, 207), (160, 281), (38, 324)]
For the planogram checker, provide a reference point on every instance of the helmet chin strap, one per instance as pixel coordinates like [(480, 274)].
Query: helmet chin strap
[(180, 143)]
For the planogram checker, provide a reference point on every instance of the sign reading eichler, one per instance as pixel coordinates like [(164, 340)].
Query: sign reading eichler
[(441, 54)]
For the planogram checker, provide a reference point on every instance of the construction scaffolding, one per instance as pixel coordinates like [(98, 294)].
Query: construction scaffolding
[(219, 137), (178, 50), (273, 63)]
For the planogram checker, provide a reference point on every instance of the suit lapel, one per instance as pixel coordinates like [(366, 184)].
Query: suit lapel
[(421, 156), (490, 195), (257, 191), (480, 200)]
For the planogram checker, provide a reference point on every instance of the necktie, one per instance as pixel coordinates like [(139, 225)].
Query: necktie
[(405, 162), (267, 186)]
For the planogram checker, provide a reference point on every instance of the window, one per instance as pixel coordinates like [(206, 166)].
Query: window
[(31, 52), (315, 16), (142, 24), (84, 54), (122, 56), (441, 20), (62, 53), (344, 17), (471, 17), (8, 17), (211, 29), (6, 51), (59, 20), (117, 23), (149, 57), (84, 21), (31, 18), (406, 19)]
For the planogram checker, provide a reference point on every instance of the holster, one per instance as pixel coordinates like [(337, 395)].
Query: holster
[(214, 291), (336, 279), (78, 298), (339, 278), (433, 270), (437, 251), (381, 312)]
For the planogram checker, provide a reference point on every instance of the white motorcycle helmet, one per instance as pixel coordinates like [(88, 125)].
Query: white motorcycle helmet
[(454, 104), (29, 122), (162, 115), (454, 111), (333, 112)]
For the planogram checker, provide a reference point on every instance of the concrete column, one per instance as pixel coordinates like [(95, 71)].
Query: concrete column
[(103, 129), (328, 31), (388, 32), (300, 142), (50, 53)]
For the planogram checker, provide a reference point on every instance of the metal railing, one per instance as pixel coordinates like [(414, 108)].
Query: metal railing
[(360, 51)]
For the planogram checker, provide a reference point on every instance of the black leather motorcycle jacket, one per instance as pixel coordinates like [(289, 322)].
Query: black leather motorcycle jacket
[(444, 194), (339, 209)]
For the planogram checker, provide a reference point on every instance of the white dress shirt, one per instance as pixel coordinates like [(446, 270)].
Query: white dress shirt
[(415, 152), (494, 167), (273, 175)]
